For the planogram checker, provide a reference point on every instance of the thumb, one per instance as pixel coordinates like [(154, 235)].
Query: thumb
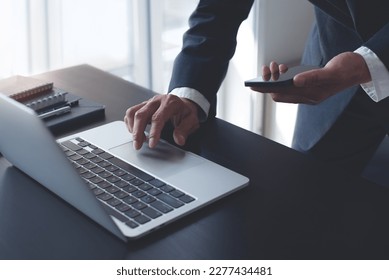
[(309, 78), (181, 132), (179, 137)]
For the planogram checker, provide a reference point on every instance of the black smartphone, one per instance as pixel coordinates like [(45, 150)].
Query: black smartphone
[(285, 79)]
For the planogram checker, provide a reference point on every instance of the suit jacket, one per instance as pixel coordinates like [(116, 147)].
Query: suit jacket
[(341, 25)]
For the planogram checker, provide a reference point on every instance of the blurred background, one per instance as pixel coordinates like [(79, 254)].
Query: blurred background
[(138, 40)]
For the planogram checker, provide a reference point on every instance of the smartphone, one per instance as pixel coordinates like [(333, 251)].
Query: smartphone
[(285, 79)]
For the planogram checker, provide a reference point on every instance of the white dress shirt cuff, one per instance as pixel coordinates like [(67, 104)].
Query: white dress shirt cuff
[(378, 88), (196, 97)]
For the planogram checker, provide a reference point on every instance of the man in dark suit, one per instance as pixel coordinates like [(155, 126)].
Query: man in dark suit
[(343, 114)]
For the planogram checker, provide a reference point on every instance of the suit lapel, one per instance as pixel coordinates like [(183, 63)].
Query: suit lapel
[(337, 9)]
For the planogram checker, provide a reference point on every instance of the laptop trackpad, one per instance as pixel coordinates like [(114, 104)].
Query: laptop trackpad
[(163, 161)]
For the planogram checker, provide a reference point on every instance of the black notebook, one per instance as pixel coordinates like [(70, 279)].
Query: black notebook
[(83, 111), (58, 108)]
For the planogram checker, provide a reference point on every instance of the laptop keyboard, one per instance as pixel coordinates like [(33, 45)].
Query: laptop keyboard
[(126, 192)]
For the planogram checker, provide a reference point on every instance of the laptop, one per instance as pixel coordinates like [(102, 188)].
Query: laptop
[(130, 193)]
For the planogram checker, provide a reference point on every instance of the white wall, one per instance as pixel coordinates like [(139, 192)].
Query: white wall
[(283, 29)]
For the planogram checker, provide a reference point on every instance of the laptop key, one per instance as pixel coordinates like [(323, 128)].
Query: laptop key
[(154, 191), (119, 173), (97, 170), (113, 179), (142, 219), (121, 194), (132, 213), (130, 200), (75, 157), (170, 200), (83, 144), (96, 180), (82, 152), (106, 155), (186, 198), (97, 160), (81, 170), (97, 191), (130, 189), (112, 189), (123, 207), (104, 163), (139, 205), (105, 196), (80, 140), (69, 153), (90, 165), (89, 156), (70, 145), (121, 184), (128, 177), (82, 161), (114, 202), (131, 169), (105, 174), (148, 199), (136, 182), (176, 193), (104, 185), (132, 224), (152, 213), (112, 168), (97, 151), (162, 207), (157, 183), (138, 194), (144, 187), (167, 188), (88, 175)]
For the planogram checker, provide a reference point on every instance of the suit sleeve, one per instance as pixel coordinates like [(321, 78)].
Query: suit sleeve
[(379, 44), (208, 46), (371, 22)]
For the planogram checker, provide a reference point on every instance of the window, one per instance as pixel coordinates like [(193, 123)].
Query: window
[(41, 35)]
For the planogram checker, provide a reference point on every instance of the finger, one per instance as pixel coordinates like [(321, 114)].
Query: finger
[(283, 68), (275, 72), (129, 116), (266, 73), (170, 106), (157, 123), (140, 120), (274, 67)]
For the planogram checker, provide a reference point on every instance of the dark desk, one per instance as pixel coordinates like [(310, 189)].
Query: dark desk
[(294, 208)]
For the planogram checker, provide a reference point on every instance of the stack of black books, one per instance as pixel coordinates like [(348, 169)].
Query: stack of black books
[(56, 107)]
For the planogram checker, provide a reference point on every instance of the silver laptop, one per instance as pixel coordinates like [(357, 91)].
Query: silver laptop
[(128, 192)]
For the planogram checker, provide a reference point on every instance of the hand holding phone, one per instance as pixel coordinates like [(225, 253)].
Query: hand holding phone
[(284, 79)]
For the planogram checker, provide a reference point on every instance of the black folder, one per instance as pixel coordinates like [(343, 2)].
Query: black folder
[(82, 112)]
